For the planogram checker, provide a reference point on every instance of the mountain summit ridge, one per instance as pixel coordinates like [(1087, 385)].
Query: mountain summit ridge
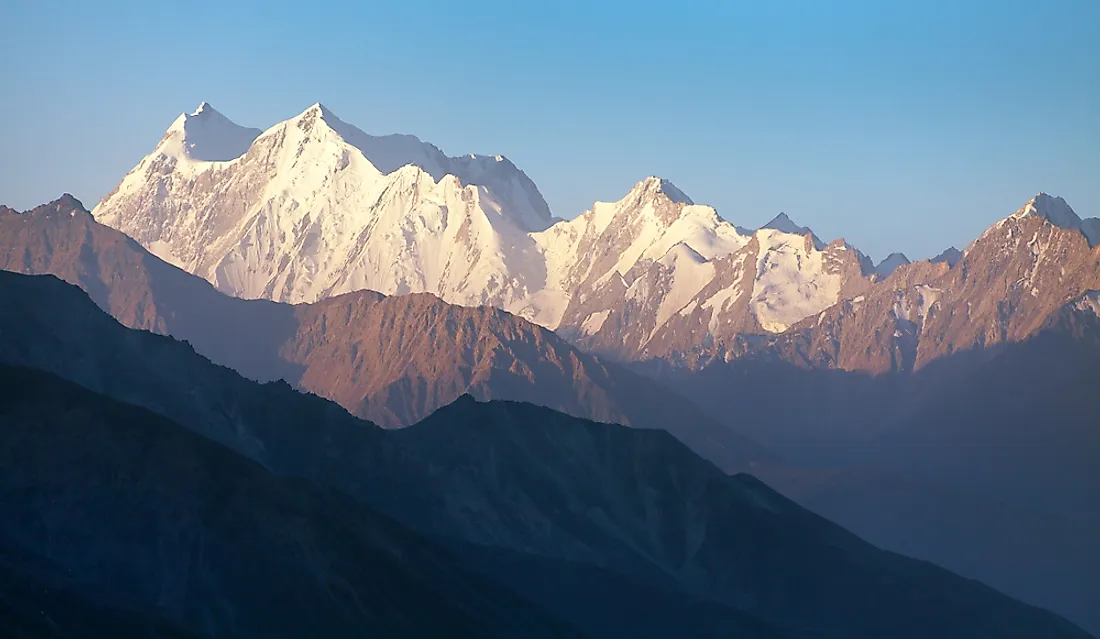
[(316, 207)]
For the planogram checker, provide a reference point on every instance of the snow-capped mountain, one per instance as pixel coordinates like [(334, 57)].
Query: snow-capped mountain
[(1059, 213), (668, 277), (1003, 288), (314, 207)]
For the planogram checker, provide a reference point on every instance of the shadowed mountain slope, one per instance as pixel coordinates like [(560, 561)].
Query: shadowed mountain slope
[(516, 478), (139, 510), (392, 360)]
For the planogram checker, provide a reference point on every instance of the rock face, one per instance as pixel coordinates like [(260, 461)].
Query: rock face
[(1006, 286), (391, 360), (549, 497)]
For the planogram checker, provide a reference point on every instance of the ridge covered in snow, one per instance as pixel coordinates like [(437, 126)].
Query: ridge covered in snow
[(1060, 214), (313, 207), (316, 207), (206, 136)]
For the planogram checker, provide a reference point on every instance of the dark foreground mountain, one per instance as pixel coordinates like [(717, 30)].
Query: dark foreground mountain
[(140, 513), (538, 502), (392, 360)]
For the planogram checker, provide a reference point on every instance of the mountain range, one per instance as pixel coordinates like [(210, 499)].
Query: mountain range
[(393, 360), (518, 496), (314, 207), (942, 409), (428, 353)]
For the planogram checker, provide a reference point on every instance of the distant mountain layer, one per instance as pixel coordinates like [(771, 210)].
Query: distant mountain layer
[(539, 491), (1006, 286), (392, 360)]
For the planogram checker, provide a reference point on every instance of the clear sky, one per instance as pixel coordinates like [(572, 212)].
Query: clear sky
[(899, 125)]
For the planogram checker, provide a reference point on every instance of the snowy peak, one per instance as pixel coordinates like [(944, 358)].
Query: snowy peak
[(1056, 211), (520, 199), (785, 224), (681, 252), (1053, 209), (314, 206), (318, 113), (655, 188), (887, 266), (206, 109), (206, 136)]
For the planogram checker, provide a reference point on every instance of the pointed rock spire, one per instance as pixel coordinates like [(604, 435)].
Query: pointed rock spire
[(654, 186), (784, 224)]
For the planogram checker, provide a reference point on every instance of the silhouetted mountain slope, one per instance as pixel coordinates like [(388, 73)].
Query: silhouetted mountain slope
[(391, 360), (980, 415), (1001, 440), (134, 507), (525, 479), (1044, 558), (39, 600), (729, 537)]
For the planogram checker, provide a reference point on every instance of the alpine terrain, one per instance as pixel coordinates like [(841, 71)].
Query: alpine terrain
[(490, 517), (958, 391), (314, 207), (393, 360), (908, 401)]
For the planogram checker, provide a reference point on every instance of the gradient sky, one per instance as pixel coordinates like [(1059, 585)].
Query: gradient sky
[(898, 125)]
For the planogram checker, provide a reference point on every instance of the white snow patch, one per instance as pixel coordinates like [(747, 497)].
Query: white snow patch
[(913, 305), (720, 302), (594, 322), (689, 273), (792, 282), (163, 250)]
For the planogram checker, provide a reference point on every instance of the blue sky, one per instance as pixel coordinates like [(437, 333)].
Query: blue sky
[(897, 125)]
